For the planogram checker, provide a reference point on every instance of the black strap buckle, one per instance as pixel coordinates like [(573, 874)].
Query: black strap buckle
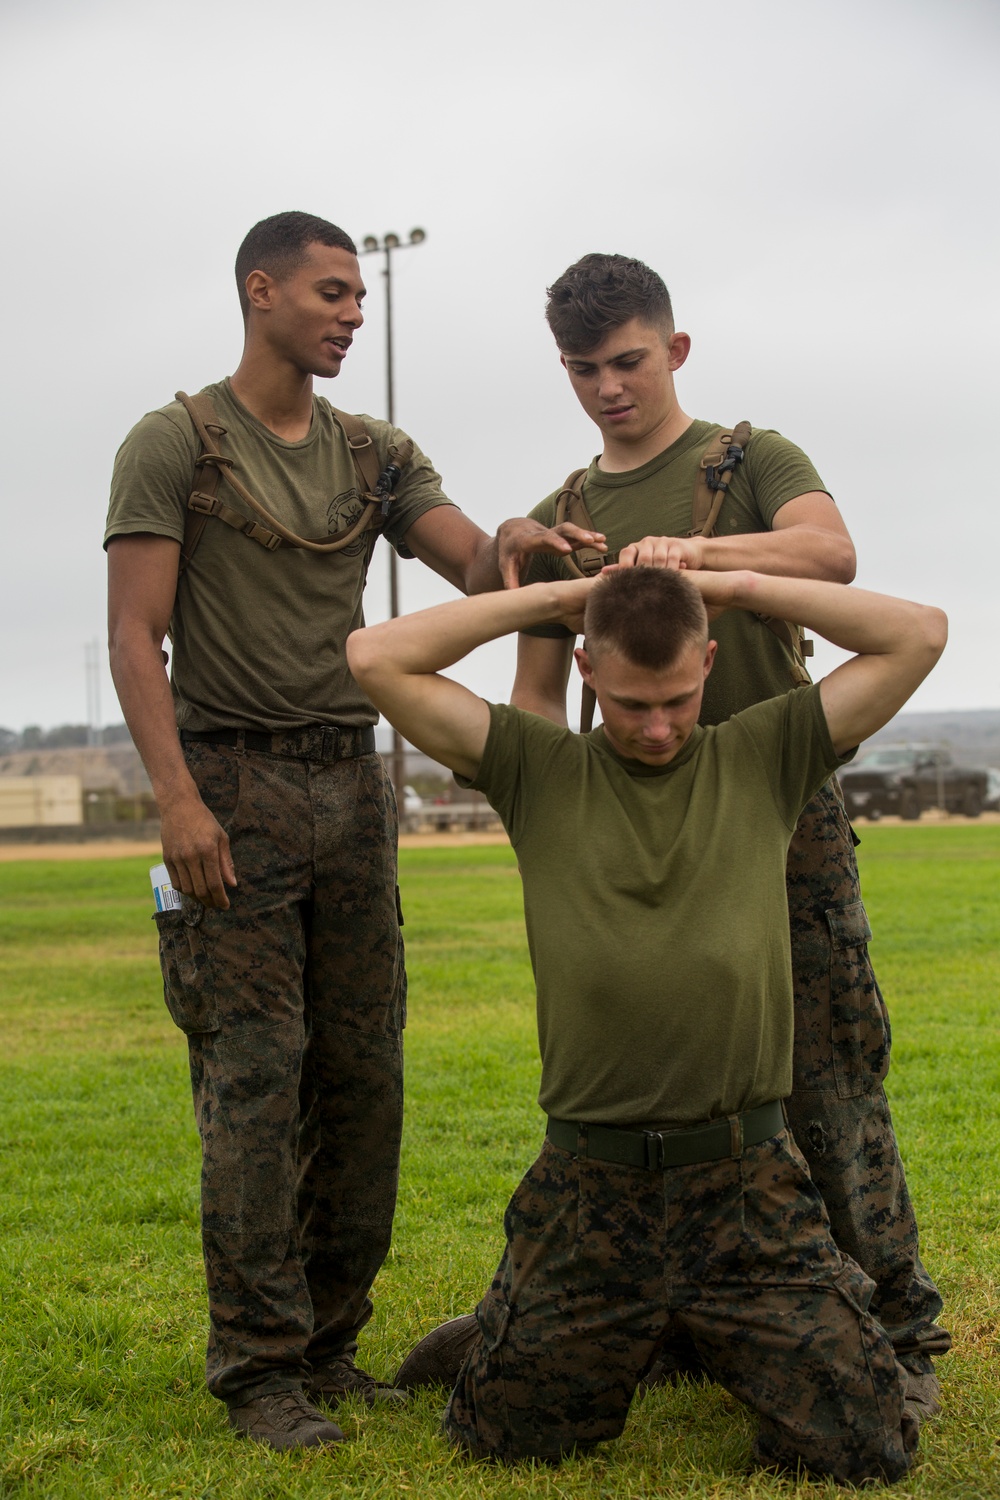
[(329, 742), (653, 1140)]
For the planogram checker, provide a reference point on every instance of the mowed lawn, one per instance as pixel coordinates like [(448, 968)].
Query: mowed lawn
[(103, 1313)]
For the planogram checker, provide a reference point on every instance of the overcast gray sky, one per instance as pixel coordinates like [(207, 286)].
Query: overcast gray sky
[(815, 179)]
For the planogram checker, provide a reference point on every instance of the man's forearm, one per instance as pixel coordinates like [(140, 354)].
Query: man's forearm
[(798, 552), (140, 680), (858, 621), (195, 848), (482, 576), (434, 639)]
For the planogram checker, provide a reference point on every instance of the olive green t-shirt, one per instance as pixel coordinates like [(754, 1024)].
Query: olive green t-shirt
[(258, 637), (656, 500), (655, 908)]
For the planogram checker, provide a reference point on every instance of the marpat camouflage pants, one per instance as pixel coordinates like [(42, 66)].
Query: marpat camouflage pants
[(838, 1111), (605, 1263), (294, 1004)]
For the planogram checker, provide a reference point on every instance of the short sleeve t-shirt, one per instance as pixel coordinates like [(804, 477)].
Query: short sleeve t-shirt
[(258, 637), (656, 500), (655, 908)]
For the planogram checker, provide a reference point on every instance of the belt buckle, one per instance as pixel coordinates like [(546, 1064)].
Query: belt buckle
[(329, 743), (653, 1142)]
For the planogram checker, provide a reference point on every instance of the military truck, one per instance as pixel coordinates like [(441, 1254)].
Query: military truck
[(908, 779)]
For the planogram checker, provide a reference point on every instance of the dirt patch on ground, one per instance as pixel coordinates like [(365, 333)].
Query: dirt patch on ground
[(99, 849), (122, 848)]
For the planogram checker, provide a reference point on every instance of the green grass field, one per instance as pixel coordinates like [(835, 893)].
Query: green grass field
[(103, 1316)]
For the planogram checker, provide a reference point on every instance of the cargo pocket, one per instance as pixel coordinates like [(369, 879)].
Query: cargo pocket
[(188, 979), (858, 1028), (874, 1373)]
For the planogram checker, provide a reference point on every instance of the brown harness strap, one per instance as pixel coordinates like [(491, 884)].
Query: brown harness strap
[(586, 563), (571, 506), (211, 464), (720, 458)]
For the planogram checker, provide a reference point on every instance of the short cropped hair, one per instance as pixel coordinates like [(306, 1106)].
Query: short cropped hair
[(649, 616), (600, 293), (279, 245)]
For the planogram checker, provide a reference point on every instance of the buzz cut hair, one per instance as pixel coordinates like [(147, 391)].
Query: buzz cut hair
[(648, 616), (600, 293), (279, 245)]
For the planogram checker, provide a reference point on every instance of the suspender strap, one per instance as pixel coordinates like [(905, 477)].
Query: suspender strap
[(586, 563), (376, 488), (717, 466), (570, 506), (362, 451)]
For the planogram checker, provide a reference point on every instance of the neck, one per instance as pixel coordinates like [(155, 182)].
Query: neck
[(278, 394), (624, 453)]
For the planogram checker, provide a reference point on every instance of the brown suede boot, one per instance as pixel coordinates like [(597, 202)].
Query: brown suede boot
[(283, 1419), (439, 1356), (341, 1377)]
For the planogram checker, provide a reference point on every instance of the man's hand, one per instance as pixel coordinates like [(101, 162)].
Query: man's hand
[(519, 540), (664, 552), (573, 595), (196, 852)]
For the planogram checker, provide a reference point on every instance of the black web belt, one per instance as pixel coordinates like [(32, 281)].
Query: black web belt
[(655, 1149), (321, 742)]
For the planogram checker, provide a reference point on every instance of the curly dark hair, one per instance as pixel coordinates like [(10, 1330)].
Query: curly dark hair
[(600, 293), (278, 247)]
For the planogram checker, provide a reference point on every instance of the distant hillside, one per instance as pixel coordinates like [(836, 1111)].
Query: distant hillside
[(101, 768), (971, 735)]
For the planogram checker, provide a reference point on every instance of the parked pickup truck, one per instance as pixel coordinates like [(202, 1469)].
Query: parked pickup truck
[(907, 779)]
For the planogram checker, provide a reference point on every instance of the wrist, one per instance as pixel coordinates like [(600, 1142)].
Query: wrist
[(176, 792)]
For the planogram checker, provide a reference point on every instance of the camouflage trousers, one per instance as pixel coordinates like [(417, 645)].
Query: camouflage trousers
[(294, 1003), (838, 1111), (604, 1264)]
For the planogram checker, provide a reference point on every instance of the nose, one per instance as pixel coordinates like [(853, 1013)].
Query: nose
[(352, 315), (657, 728), (609, 385)]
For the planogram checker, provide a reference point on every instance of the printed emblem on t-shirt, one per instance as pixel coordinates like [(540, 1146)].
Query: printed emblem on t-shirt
[(342, 514)]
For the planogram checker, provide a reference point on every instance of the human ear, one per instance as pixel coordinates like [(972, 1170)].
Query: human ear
[(584, 665), (259, 287), (678, 349)]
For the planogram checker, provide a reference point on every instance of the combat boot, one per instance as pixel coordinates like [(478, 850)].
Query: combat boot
[(437, 1359), (923, 1391), (340, 1377), (284, 1419)]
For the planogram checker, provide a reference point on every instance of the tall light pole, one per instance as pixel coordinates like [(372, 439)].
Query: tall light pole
[(92, 660), (371, 245)]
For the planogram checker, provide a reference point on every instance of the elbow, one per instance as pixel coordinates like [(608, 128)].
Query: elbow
[(926, 640), (843, 562), (935, 631), (362, 656)]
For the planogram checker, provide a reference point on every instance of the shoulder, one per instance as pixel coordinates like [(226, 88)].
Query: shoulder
[(797, 712), (167, 431), (383, 434), (517, 737), (769, 451)]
